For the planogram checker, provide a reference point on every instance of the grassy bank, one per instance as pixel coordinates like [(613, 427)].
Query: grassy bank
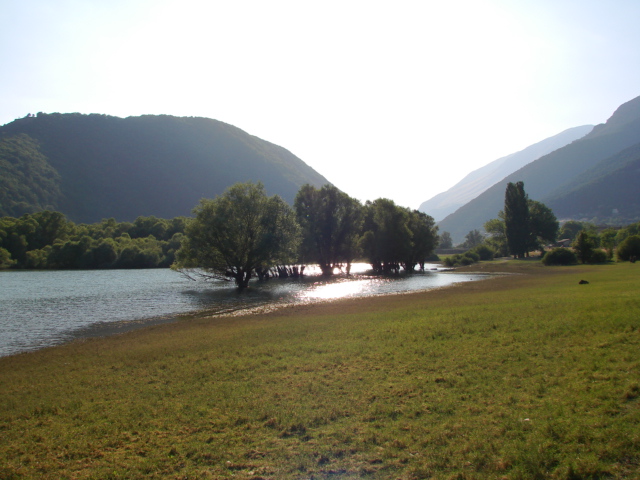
[(518, 377)]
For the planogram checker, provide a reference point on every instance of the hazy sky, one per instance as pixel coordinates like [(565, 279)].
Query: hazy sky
[(386, 99)]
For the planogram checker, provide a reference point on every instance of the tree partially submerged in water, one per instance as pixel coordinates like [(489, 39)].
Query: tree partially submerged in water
[(330, 222), (397, 237), (237, 233)]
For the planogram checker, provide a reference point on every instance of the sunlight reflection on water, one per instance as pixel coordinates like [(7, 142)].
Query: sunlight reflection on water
[(44, 308), (336, 290)]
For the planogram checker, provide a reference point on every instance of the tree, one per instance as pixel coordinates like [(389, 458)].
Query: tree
[(629, 249), (445, 240), (424, 238), (584, 245), (5, 259), (330, 222), (473, 239), (543, 225), (571, 228), (496, 235), (238, 232), (387, 237), (608, 241), (516, 219), (395, 236)]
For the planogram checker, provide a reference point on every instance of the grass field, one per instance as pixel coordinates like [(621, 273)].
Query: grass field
[(523, 376)]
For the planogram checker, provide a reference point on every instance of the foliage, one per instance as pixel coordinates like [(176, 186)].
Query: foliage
[(496, 235), (484, 252), (543, 225), (473, 239), (461, 259), (516, 219), (395, 236), (331, 222), (629, 249), (623, 233), (524, 224), (570, 229), (608, 241), (47, 240), (238, 232), (560, 256), (584, 246), (28, 183), (91, 167), (559, 172), (5, 258), (424, 238), (599, 256), (445, 240)]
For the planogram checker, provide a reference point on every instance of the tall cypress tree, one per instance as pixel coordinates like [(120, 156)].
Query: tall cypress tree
[(516, 219)]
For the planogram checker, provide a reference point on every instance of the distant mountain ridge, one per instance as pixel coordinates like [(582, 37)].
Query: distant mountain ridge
[(485, 177), (555, 175), (91, 167)]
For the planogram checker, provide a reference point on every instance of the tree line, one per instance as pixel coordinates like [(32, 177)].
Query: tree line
[(238, 235), (244, 233), (47, 240), (526, 225)]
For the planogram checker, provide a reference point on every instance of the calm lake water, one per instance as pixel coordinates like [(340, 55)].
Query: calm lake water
[(45, 308)]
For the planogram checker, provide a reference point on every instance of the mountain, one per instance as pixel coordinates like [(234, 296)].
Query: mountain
[(608, 191), (552, 175), (91, 167), (483, 178)]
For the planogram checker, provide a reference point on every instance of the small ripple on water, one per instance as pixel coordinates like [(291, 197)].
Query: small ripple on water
[(45, 308)]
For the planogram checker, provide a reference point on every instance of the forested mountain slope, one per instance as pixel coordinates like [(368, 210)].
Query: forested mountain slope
[(555, 171), (610, 191), (91, 167), (483, 178)]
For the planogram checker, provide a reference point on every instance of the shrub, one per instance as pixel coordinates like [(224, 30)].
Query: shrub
[(471, 255), (599, 256), (484, 252), (464, 259), (629, 248), (560, 256)]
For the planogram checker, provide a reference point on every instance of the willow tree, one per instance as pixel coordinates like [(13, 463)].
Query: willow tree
[(516, 219), (424, 240), (330, 222), (237, 233)]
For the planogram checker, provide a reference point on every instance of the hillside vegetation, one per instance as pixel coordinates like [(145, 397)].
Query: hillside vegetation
[(91, 167), (521, 376), (553, 175), (485, 177)]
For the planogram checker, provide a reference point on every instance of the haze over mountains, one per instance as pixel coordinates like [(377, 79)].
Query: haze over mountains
[(485, 177), (91, 167), (594, 178)]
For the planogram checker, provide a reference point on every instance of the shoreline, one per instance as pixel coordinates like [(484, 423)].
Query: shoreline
[(107, 329)]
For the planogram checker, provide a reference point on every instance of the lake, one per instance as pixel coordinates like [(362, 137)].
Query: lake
[(45, 308)]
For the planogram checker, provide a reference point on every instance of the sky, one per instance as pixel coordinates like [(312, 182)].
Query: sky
[(387, 99)]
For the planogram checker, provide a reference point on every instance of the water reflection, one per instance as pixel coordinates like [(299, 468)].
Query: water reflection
[(335, 290), (50, 307)]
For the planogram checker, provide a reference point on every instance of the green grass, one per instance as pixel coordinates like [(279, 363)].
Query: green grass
[(518, 377)]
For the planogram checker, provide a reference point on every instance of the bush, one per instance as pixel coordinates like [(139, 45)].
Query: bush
[(599, 256), (464, 259), (484, 252), (560, 256), (629, 248)]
